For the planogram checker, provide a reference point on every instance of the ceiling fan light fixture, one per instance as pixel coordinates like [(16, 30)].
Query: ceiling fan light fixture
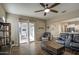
[(46, 10)]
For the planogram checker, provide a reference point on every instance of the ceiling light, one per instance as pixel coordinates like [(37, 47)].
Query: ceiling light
[(46, 10)]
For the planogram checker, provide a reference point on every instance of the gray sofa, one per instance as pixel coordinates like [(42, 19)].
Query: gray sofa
[(62, 38), (69, 41), (74, 44)]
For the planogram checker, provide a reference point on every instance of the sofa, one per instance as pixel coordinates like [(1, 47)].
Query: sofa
[(62, 38), (70, 41), (74, 44)]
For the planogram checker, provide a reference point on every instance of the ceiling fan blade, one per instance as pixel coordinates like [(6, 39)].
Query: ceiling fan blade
[(54, 11), (42, 4), (55, 4), (45, 14), (46, 4), (39, 10)]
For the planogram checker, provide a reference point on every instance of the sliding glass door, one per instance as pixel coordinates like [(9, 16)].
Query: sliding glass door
[(26, 33)]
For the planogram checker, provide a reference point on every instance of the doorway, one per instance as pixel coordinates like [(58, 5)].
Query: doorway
[(27, 32)]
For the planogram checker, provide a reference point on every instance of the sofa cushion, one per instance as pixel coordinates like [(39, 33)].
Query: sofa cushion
[(76, 38), (68, 41), (75, 45), (61, 38), (60, 41)]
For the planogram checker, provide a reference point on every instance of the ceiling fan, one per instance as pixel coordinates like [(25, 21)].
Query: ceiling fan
[(48, 9)]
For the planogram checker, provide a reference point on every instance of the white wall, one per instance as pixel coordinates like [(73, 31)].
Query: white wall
[(2, 12), (55, 29)]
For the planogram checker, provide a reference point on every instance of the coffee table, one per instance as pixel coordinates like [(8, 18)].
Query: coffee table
[(53, 47)]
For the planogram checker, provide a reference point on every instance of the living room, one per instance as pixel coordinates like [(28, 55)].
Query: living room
[(27, 25)]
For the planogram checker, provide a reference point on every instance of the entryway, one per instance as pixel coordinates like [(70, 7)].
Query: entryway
[(26, 32)]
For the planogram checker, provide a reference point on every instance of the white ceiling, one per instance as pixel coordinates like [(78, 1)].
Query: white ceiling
[(27, 9)]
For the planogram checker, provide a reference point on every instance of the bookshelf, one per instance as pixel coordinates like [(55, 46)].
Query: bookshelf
[(5, 34)]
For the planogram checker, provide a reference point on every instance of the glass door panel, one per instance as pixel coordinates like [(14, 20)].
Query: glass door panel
[(23, 32), (31, 32)]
